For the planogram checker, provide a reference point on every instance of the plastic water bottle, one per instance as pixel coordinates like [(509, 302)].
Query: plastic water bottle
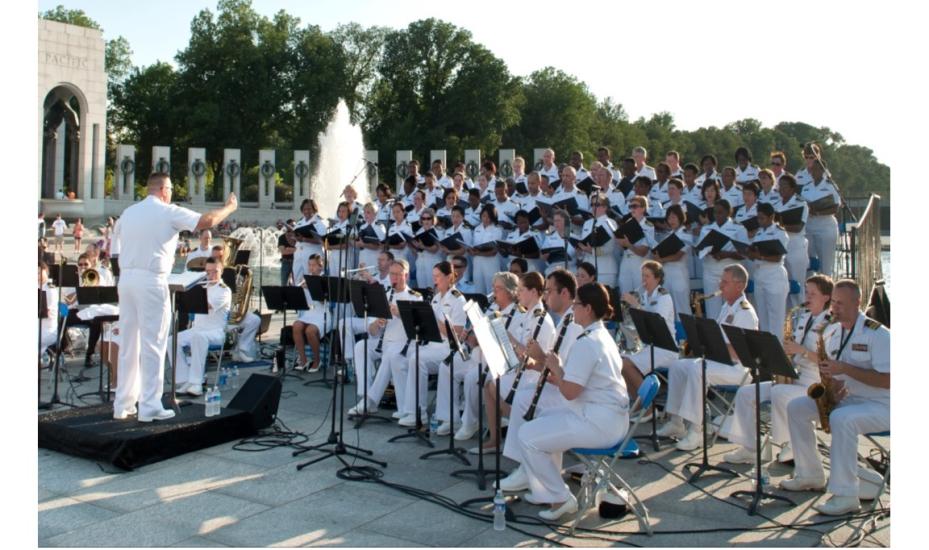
[(217, 401), (235, 377), (433, 425), (223, 377), (765, 478), (208, 403), (499, 511)]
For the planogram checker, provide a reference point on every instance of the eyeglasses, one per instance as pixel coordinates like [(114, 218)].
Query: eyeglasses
[(426, 218), (635, 205)]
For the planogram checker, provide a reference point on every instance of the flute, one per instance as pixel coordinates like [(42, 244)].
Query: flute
[(540, 313), (540, 385)]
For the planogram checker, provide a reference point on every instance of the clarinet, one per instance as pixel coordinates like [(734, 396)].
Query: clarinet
[(540, 313), (540, 385), (380, 342)]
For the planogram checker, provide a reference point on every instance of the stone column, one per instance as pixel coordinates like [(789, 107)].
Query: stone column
[(266, 172), (472, 160), (434, 155), (373, 172), (196, 174), (49, 166), (505, 162), (301, 177), (403, 159), (74, 164), (232, 173), (124, 171), (537, 158)]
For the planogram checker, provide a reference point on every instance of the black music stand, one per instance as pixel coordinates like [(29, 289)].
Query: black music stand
[(652, 331), (191, 301), (99, 295), (480, 473), (420, 325), (284, 298), (368, 299), (706, 341), (62, 275), (456, 347), (763, 354), (43, 314)]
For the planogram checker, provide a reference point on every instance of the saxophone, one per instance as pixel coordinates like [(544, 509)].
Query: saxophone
[(823, 393), (243, 291), (788, 336), (628, 336)]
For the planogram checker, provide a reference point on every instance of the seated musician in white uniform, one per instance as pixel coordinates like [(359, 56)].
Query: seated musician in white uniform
[(537, 326), (207, 330), (857, 366), (205, 250), (807, 325), (654, 298), (685, 376), (311, 323), (448, 302), (598, 413), (387, 342), (504, 304)]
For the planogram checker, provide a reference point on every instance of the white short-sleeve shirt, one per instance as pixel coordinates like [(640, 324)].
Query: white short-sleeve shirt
[(148, 233)]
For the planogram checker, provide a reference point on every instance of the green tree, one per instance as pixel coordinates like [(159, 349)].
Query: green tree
[(362, 49), (72, 17)]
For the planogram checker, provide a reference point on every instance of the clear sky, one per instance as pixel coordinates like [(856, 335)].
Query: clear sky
[(706, 64)]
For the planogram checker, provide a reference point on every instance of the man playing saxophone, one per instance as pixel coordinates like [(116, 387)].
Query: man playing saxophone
[(857, 370)]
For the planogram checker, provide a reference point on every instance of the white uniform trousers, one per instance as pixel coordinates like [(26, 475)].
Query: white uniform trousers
[(851, 417), (685, 385), (712, 273), (607, 269), (771, 290), (643, 359), (741, 430), (797, 261), (144, 319), (483, 274), (528, 380), (462, 368), (48, 336), (471, 390), (368, 257), (550, 398), (191, 368), (544, 440), (677, 281), (352, 325), (338, 259), (246, 343), (822, 232), (430, 356), (630, 273), (378, 376)]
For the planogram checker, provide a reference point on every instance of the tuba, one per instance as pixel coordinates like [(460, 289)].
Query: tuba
[(240, 298), (823, 393), (230, 249), (90, 277)]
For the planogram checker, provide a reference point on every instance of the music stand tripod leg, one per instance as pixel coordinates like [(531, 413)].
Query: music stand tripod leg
[(417, 431), (479, 473), (704, 466), (456, 452)]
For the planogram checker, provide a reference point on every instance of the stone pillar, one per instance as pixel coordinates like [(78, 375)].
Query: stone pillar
[(403, 159), (97, 170), (505, 163), (161, 159), (434, 155), (196, 174), (472, 160), (124, 171), (373, 172), (59, 163), (49, 170), (537, 158), (232, 173), (266, 172), (301, 177), (80, 188)]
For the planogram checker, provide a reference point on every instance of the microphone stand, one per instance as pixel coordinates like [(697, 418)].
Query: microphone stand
[(480, 473), (456, 452)]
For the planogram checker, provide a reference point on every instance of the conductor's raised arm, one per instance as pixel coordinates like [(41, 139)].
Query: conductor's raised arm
[(214, 217)]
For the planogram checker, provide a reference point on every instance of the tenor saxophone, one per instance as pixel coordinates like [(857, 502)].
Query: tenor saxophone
[(823, 393)]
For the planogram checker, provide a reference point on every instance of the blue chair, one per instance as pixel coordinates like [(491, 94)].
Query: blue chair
[(794, 287), (598, 463), (814, 265), (722, 391), (679, 334), (751, 286)]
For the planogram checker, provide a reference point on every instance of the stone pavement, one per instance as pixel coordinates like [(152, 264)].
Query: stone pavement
[(221, 496)]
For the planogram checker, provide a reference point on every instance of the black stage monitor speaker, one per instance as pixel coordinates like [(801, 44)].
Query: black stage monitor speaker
[(260, 397)]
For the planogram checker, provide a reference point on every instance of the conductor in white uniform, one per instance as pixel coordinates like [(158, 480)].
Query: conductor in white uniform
[(148, 232)]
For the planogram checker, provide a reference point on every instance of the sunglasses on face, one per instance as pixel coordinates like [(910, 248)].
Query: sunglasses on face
[(636, 206)]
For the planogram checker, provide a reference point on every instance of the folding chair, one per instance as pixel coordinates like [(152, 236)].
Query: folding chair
[(885, 459), (723, 392), (598, 463)]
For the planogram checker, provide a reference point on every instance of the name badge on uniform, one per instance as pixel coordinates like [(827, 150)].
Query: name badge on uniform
[(729, 318), (859, 347)]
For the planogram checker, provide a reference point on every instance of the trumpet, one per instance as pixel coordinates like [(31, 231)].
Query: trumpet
[(90, 277)]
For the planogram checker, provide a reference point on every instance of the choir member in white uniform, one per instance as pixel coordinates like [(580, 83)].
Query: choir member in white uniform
[(549, 169), (729, 190), (745, 171), (804, 176), (146, 237), (778, 166), (438, 172), (207, 329), (768, 192), (506, 207), (797, 259), (383, 203), (459, 231), (601, 256), (822, 228), (390, 337), (486, 263), (537, 326), (808, 324), (691, 191), (715, 262), (708, 166), (530, 201), (769, 274), (339, 255), (400, 227), (673, 160), (311, 323), (558, 239), (654, 298), (598, 412), (567, 190), (449, 303), (202, 251), (659, 191), (676, 266), (426, 256), (504, 302), (370, 251), (307, 246), (419, 204), (473, 211), (524, 232), (630, 276), (858, 351), (685, 376), (640, 155)]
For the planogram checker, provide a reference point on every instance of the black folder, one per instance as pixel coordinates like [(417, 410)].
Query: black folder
[(587, 185), (693, 211), (794, 216), (631, 230), (625, 185), (369, 235), (671, 245), (486, 247), (522, 188), (772, 247), (822, 203), (427, 238), (525, 248), (307, 231), (398, 238), (750, 224), (715, 239), (453, 242)]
